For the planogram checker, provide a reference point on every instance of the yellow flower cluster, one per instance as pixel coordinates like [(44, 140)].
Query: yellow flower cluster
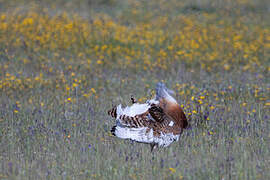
[(58, 51), (222, 45)]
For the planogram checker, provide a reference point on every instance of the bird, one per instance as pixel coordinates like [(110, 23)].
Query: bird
[(159, 121)]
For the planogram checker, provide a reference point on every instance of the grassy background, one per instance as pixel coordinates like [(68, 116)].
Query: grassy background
[(64, 63)]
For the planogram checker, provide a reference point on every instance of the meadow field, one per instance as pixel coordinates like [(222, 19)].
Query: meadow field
[(64, 63)]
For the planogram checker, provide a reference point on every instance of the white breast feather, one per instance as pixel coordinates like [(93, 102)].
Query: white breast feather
[(140, 135), (165, 140), (136, 134)]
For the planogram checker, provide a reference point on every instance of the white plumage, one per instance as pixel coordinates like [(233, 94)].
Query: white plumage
[(132, 110)]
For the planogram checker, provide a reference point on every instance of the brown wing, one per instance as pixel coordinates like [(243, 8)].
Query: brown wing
[(157, 113), (175, 111), (163, 119)]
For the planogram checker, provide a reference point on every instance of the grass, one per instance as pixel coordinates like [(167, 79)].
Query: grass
[(64, 63)]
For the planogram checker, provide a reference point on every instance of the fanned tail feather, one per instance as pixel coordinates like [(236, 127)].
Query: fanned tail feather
[(119, 110), (115, 112), (112, 112), (127, 117), (133, 122)]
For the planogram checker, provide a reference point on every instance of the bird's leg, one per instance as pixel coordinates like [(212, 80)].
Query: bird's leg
[(153, 146), (133, 100)]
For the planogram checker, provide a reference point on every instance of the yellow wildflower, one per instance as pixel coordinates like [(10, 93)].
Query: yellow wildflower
[(172, 170), (74, 85), (93, 90)]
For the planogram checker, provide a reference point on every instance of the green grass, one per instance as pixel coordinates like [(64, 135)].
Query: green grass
[(34, 142), (46, 135)]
